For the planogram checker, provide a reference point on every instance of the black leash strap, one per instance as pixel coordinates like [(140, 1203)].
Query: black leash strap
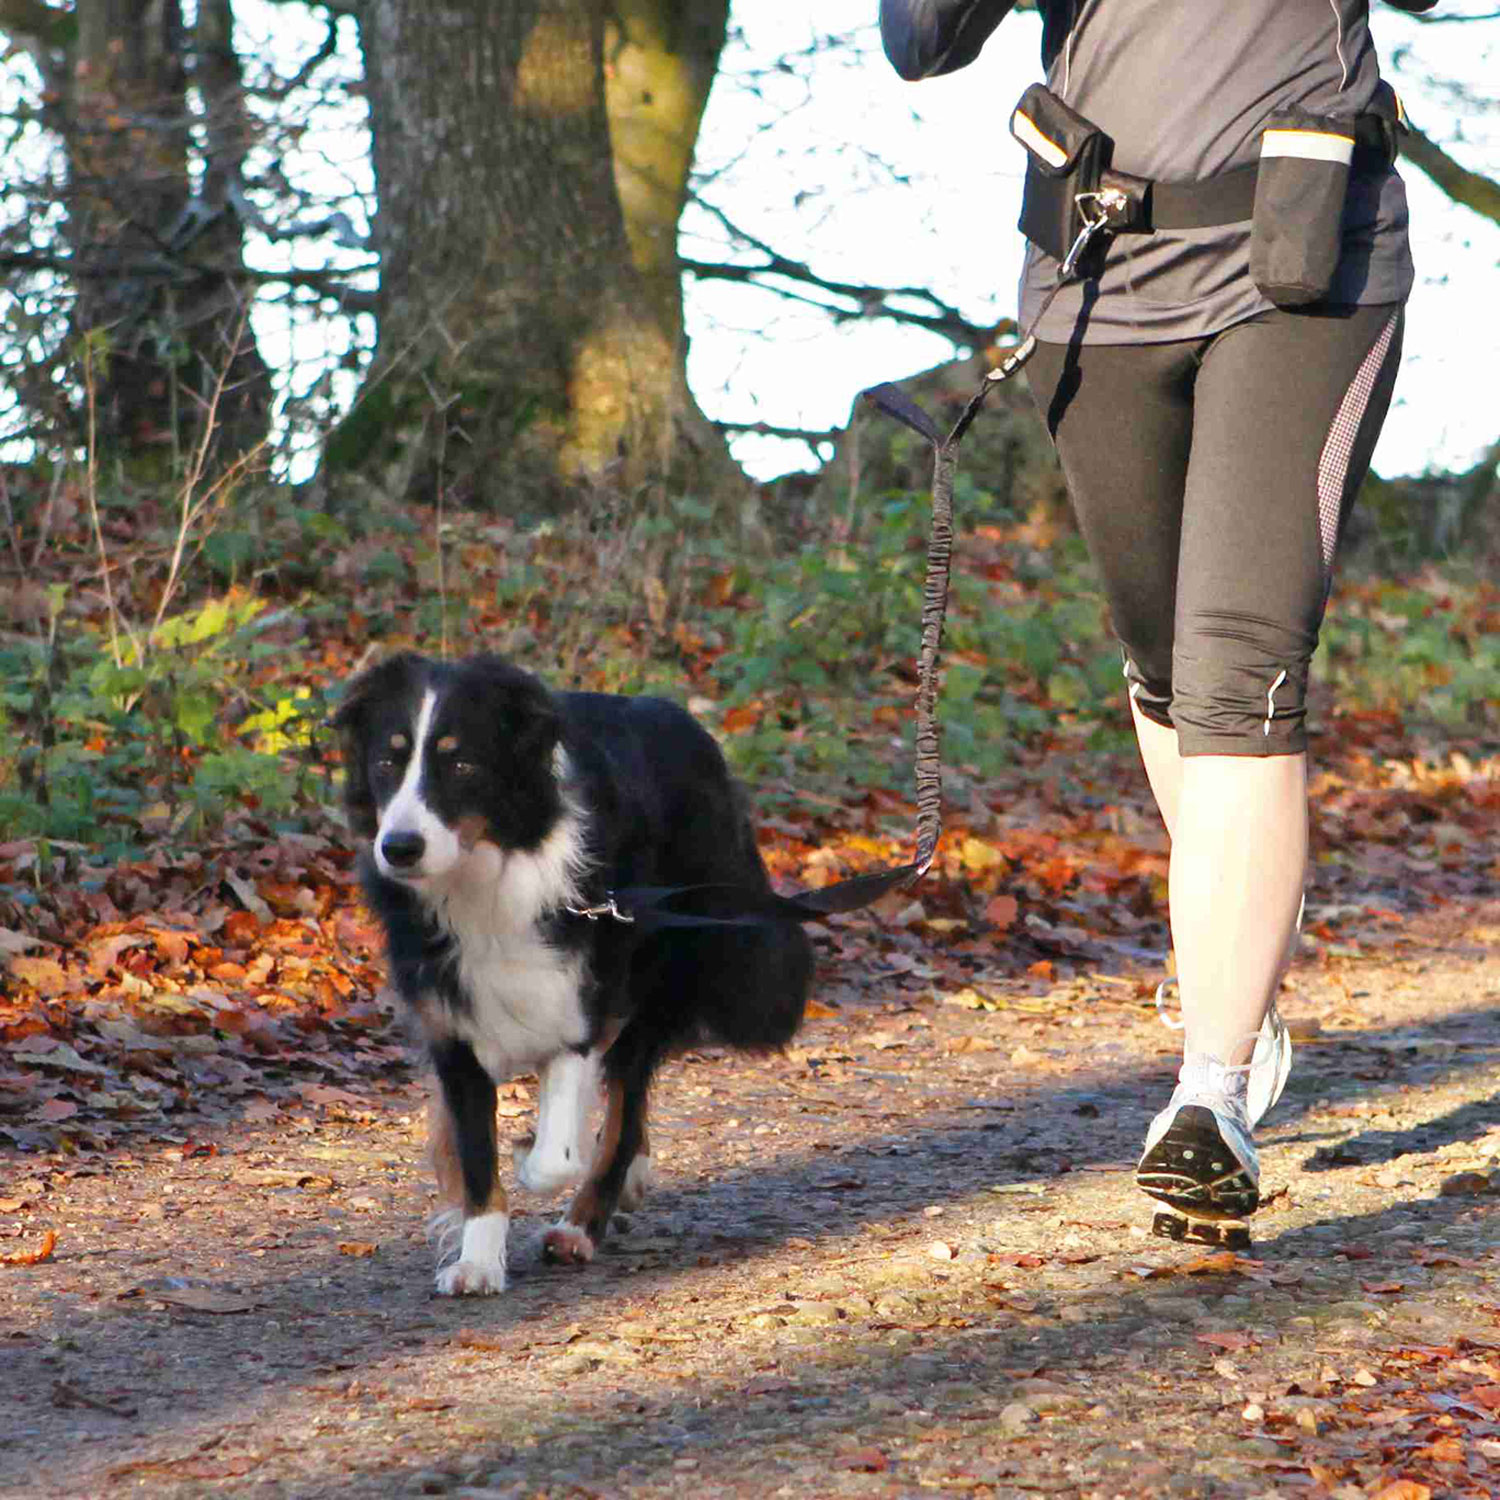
[(650, 908)]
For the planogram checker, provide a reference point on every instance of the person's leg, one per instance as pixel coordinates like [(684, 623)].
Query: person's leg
[(1287, 409), (1286, 412), (1122, 421)]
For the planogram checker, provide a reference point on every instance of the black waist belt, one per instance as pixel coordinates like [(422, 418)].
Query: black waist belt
[(1229, 197)]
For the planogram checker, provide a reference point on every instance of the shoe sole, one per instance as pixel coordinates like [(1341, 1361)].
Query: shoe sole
[(1219, 1234), (1192, 1170)]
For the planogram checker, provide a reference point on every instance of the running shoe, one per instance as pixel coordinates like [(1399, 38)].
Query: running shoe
[(1270, 1063), (1200, 1156)]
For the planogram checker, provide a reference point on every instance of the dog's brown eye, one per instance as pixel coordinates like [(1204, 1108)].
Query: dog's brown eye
[(385, 766), (465, 768)]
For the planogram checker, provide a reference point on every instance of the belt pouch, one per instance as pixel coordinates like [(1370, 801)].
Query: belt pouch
[(1299, 205), (1065, 156)]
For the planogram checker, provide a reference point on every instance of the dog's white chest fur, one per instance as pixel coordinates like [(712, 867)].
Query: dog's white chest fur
[(525, 996)]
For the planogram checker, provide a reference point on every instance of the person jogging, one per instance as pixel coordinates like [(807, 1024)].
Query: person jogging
[(1215, 275)]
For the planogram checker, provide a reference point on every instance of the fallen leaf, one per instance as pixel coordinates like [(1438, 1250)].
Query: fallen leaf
[(1222, 1263), (1403, 1489), (1001, 912), (862, 1460), (1443, 1450), (203, 1299), (358, 1248), (32, 1257), (1226, 1340), (1383, 1288)]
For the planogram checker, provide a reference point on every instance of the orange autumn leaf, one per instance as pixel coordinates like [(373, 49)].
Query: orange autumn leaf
[(32, 1257)]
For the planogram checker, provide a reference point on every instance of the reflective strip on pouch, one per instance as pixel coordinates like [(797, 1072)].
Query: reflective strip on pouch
[(1024, 129), (1317, 145)]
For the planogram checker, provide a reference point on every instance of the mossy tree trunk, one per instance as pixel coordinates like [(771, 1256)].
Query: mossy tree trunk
[(531, 162)]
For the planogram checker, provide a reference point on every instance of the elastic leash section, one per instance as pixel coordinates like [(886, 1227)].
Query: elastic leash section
[(651, 908)]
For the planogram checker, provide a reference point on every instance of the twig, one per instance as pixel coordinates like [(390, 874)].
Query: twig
[(91, 489)]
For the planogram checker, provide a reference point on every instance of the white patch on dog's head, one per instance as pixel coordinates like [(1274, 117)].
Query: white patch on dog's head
[(407, 817)]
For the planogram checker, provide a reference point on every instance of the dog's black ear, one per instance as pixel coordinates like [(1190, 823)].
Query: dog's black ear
[(530, 719), (384, 679)]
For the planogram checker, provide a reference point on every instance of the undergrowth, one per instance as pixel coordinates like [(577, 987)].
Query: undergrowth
[(208, 720)]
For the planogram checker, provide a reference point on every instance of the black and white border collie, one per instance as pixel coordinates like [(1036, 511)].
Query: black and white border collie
[(492, 806)]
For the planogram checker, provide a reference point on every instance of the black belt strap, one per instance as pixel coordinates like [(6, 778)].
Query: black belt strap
[(1229, 197)]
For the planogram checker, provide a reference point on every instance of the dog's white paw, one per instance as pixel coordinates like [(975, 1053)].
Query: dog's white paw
[(639, 1181), (468, 1278), (550, 1172), (567, 1245), (479, 1270)]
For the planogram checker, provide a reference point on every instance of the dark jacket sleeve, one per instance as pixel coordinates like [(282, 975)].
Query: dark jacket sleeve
[(924, 38)]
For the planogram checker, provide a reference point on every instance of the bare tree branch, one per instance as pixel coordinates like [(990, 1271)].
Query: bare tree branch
[(1472, 189)]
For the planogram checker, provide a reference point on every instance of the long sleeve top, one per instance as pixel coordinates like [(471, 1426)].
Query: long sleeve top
[(1184, 88)]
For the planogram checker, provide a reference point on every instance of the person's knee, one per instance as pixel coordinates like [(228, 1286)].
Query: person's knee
[(1247, 695)]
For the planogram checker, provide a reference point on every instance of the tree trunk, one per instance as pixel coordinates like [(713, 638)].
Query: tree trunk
[(157, 266), (530, 309)]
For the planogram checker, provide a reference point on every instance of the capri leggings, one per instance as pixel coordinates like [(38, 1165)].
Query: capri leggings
[(1211, 478)]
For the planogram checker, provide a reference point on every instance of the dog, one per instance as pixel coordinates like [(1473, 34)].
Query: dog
[(497, 813)]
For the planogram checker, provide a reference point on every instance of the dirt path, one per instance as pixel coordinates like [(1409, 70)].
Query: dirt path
[(905, 1258)]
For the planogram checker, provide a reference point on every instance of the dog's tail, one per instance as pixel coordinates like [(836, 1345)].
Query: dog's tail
[(743, 986)]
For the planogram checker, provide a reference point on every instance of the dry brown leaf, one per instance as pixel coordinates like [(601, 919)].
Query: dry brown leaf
[(1222, 1263), (32, 1257), (863, 1461), (1403, 1489), (1001, 912), (357, 1248)]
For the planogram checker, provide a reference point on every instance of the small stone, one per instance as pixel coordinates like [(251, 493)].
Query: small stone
[(1364, 1377), (940, 1250), (1253, 1412), (816, 1312), (1016, 1417), (767, 1320), (1465, 1185)]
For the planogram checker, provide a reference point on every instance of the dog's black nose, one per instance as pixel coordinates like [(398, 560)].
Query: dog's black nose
[(402, 850)]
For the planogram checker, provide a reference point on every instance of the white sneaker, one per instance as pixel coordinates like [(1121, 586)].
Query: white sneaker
[(1270, 1063), (1200, 1156)]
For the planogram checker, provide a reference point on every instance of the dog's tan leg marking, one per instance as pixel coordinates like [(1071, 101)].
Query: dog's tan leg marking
[(570, 1241), (475, 1235)]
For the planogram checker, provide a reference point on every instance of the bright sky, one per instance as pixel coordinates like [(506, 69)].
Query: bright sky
[(874, 181), (804, 186)]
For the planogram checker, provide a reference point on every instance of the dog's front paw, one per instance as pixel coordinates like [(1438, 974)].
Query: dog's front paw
[(470, 1278), (567, 1245), (639, 1181), (547, 1174)]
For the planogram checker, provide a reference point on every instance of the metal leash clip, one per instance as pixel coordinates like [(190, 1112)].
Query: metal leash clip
[(608, 909), (1095, 213)]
